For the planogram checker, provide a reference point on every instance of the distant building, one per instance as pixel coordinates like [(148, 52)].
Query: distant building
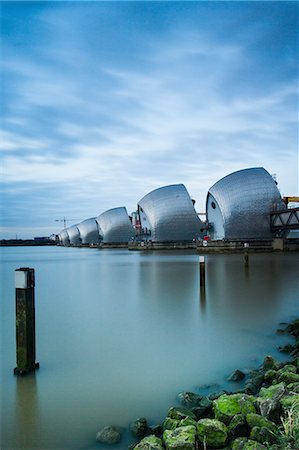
[(89, 232), (167, 214), (64, 238), (238, 205), (115, 226), (74, 235)]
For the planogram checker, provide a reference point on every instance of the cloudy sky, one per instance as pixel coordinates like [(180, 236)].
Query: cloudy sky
[(102, 102)]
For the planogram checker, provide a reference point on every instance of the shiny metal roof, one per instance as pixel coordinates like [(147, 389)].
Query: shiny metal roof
[(64, 237), (115, 226), (89, 231), (243, 200), (74, 235), (170, 214)]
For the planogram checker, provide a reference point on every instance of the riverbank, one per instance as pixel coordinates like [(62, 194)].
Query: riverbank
[(263, 414)]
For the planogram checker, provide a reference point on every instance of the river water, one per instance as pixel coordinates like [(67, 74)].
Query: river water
[(120, 333)]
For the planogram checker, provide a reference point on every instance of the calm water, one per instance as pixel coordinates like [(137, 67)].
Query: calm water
[(120, 334)]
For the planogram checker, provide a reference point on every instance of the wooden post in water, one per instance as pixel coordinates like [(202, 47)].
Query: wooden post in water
[(25, 321), (202, 273), (246, 256)]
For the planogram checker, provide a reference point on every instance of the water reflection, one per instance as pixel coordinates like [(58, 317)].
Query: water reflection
[(27, 424), (120, 333)]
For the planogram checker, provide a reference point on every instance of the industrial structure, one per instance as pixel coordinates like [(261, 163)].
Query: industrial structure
[(243, 206), (238, 206), (167, 214)]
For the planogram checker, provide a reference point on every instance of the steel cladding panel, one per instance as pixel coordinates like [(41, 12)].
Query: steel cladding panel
[(115, 226), (74, 235), (89, 231), (171, 214), (65, 237), (245, 199)]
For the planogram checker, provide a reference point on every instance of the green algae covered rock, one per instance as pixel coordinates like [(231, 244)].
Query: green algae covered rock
[(139, 427), (227, 406), (289, 401), (170, 424), (293, 387), (263, 435), (212, 432), (289, 377), (288, 368), (238, 427), (182, 438), (271, 375), (275, 391), (254, 445), (187, 421), (238, 444), (149, 443), (180, 413), (189, 399), (255, 420)]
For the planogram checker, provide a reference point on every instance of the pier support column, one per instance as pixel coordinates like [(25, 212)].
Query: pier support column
[(25, 321)]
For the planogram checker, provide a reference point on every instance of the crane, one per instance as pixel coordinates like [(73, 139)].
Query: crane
[(65, 220)]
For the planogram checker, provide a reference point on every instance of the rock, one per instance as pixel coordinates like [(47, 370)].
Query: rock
[(109, 435), (238, 427), (294, 388), (187, 421), (270, 409), (238, 444), (288, 348), (254, 382), (289, 377), (156, 430), (149, 443), (200, 412), (180, 413), (227, 406), (289, 401), (139, 427), (288, 368), (182, 438), (216, 395), (275, 391), (212, 432), (255, 420), (237, 376), (189, 399), (269, 363), (254, 445), (271, 375), (170, 424), (263, 435)]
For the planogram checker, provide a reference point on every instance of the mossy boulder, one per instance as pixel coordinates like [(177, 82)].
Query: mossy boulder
[(170, 424), (271, 375), (270, 409), (238, 427), (238, 444), (263, 435), (290, 401), (180, 413), (212, 432), (275, 391), (269, 363), (254, 445), (255, 420), (189, 399), (182, 438), (149, 443), (289, 377), (139, 427), (293, 387), (187, 421), (288, 368), (227, 406), (109, 435)]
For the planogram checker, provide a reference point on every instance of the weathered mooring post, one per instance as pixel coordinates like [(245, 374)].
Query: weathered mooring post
[(202, 273), (25, 321), (246, 256)]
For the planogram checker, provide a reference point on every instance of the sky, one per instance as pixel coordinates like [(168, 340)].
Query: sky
[(103, 102)]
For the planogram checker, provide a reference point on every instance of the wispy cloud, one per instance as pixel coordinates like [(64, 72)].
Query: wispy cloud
[(109, 114)]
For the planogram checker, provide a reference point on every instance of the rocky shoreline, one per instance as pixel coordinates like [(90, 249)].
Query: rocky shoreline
[(264, 414)]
